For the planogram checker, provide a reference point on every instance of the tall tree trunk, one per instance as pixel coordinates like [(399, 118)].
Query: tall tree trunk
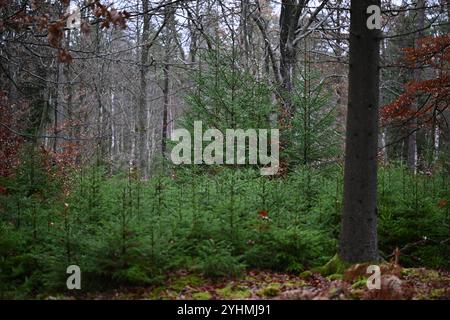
[(142, 104), (56, 107), (289, 18), (194, 33), (166, 92), (170, 37), (358, 239), (244, 30), (446, 130), (412, 156), (113, 147), (68, 79), (383, 132)]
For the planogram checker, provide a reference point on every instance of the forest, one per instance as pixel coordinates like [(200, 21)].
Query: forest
[(225, 149)]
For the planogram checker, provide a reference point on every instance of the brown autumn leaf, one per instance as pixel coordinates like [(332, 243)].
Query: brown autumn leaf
[(64, 56), (55, 33), (443, 203)]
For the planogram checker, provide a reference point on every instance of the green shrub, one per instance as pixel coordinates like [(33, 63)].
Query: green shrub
[(215, 260), (219, 221)]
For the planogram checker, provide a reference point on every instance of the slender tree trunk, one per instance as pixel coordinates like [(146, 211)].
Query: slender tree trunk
[(58, 95), (412, 157), (358, 239), (383, 132), (113, 129), (166, 108), (67, 79), (244, 32), (435, 135), (170, 36), (142, 104)]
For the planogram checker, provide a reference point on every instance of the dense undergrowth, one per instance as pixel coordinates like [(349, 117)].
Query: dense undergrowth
[(217, 222)]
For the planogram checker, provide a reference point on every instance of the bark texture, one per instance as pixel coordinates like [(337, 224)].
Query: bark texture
[(358, 239)]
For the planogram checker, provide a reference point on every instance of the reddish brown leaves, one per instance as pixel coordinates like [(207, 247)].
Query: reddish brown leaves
[(64, 56), (434, 53), (110, 17), (442, 204), (41, 19), (10, 141), (263, 214), (55, 33)]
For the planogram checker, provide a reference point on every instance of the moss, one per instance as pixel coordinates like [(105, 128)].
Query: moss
[(250, 278), (190, 280), (294, 284), (230, 292), (434, 294), (430, 275), (423, 274), (175, 286), (359, 284), (270, 291), (437, 293), (335, 276), (157, 293), (333, 292), (334, 266), (306, 274), (410, 272), (204, 295)]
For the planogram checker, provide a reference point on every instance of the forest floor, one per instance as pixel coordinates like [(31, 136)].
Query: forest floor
[(397, 283)]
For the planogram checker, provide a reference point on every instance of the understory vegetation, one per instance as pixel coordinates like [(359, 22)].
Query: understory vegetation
[(216, 223)]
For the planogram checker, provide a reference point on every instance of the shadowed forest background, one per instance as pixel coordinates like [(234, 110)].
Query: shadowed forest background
[(87, 109)]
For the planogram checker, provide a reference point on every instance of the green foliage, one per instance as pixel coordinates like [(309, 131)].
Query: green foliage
[(215, 260), (227, 97), (123, 231), (313, 134), (414, 212)]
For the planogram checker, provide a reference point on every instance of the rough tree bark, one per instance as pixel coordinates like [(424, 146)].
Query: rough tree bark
[(289, 20), (358, 239)]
